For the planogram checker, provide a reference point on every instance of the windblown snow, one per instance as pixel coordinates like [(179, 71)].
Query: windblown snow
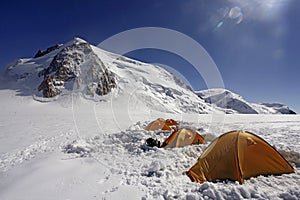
[(93, 147)]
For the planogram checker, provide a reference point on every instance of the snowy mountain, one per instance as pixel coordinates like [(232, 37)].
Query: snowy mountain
[(83, 68), (92, 145), (234, 103), (79, 67)]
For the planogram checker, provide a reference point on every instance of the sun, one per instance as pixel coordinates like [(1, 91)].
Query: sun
[(263, 10)]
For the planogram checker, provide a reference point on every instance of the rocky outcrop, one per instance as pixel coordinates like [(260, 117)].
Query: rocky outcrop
[(48, 50), (78, 64), (51, 87)]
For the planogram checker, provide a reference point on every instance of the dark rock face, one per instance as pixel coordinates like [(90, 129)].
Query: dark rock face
[(78, 64), (106, 83), (240, 106), (48, 50), (283, 109), (292, 112), (49, 86)]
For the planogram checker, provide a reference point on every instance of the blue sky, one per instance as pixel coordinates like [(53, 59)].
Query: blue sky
[(256, 49)]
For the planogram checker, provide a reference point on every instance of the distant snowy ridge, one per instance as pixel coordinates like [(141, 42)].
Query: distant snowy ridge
[(234, 103), (78, 66)]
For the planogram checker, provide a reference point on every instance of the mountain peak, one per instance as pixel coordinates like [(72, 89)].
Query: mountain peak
[(76, 63), (78, 67), (232, 102), (76, 40)]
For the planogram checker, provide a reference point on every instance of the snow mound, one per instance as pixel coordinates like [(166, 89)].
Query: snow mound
[(291, 156), (80, 147)]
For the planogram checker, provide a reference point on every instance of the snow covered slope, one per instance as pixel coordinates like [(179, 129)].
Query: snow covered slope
[(234, 103), (272, 108), (80, 67), (44, 156)]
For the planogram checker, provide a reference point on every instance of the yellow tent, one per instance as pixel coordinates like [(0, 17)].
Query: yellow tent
[(236, 156), (161, 124), (183, 137)]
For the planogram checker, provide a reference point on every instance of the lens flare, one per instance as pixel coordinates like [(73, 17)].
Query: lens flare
[(236, 14)]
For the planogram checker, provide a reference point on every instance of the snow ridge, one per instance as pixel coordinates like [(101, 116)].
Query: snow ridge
[(234, 103)]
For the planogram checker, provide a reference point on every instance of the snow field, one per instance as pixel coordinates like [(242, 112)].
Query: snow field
[(159, 173), (47, 156)]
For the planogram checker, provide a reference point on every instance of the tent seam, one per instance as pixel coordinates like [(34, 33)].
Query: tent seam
[(238, 158)]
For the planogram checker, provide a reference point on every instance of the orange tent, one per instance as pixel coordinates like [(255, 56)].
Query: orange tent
[(183, 137), (171, 122), (238, 155), (161, 124)]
